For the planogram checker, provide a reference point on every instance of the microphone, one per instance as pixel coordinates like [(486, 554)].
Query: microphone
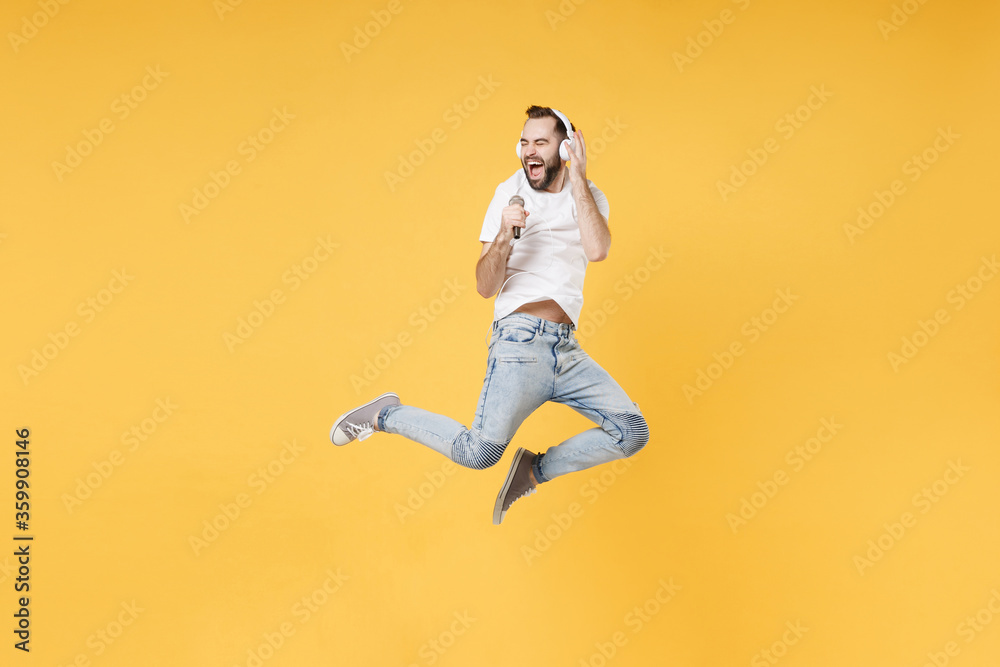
[(516, 199)]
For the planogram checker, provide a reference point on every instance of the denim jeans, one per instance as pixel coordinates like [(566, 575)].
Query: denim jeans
[(532, 361)]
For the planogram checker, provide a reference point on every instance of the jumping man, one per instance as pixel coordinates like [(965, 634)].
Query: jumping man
[(533, 353)]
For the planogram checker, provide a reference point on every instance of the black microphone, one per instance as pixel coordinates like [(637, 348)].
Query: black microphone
[(516, 199)]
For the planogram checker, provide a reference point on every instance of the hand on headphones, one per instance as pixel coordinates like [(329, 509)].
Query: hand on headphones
[(578, 159)]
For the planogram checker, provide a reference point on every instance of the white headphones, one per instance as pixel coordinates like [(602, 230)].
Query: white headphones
[(566, 145)]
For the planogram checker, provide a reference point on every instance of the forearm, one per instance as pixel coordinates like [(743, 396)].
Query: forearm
[(594, 232), (491, 268)]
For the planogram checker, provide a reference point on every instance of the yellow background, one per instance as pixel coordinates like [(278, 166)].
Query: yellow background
[(671, 133)]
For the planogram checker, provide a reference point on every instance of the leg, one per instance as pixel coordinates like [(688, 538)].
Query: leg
[(583, 385), (518, 380)]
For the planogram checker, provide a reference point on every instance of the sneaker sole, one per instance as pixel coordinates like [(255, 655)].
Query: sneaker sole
[(339, 419), (498, 512)]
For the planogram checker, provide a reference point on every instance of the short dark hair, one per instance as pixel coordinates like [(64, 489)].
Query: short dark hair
[(535, 111)]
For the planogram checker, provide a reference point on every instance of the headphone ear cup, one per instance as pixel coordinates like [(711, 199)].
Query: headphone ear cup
[(564, 151), (517, 149)]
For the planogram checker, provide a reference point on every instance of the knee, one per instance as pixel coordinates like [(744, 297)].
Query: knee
[(634, 433), (477, 454), (482, 460)]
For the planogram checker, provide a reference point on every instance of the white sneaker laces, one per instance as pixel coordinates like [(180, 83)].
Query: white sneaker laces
[(360, 431)]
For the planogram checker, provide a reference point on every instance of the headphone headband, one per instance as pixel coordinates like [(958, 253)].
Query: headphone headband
[(566, 123)]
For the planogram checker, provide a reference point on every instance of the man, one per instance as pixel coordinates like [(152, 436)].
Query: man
[(533, 353)]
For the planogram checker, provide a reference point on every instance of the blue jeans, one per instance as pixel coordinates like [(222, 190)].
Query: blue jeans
[(532, 361)]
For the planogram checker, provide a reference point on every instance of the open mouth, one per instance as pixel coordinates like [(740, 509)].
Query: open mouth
[(535, 168)]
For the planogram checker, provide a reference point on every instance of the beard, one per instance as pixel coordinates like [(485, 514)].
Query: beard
[(550, 170)]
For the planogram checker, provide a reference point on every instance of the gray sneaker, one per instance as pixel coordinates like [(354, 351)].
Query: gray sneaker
[(517, 485), (360, 422)]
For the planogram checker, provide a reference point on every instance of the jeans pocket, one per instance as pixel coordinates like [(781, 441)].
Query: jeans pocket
[(516, 334)]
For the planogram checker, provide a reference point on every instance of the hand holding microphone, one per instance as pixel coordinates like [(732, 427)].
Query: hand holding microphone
[(516, 218)]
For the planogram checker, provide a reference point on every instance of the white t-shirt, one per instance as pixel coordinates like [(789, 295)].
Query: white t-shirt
[(550, 247)]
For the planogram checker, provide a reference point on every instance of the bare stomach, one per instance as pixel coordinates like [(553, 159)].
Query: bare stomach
[(547, 310)]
